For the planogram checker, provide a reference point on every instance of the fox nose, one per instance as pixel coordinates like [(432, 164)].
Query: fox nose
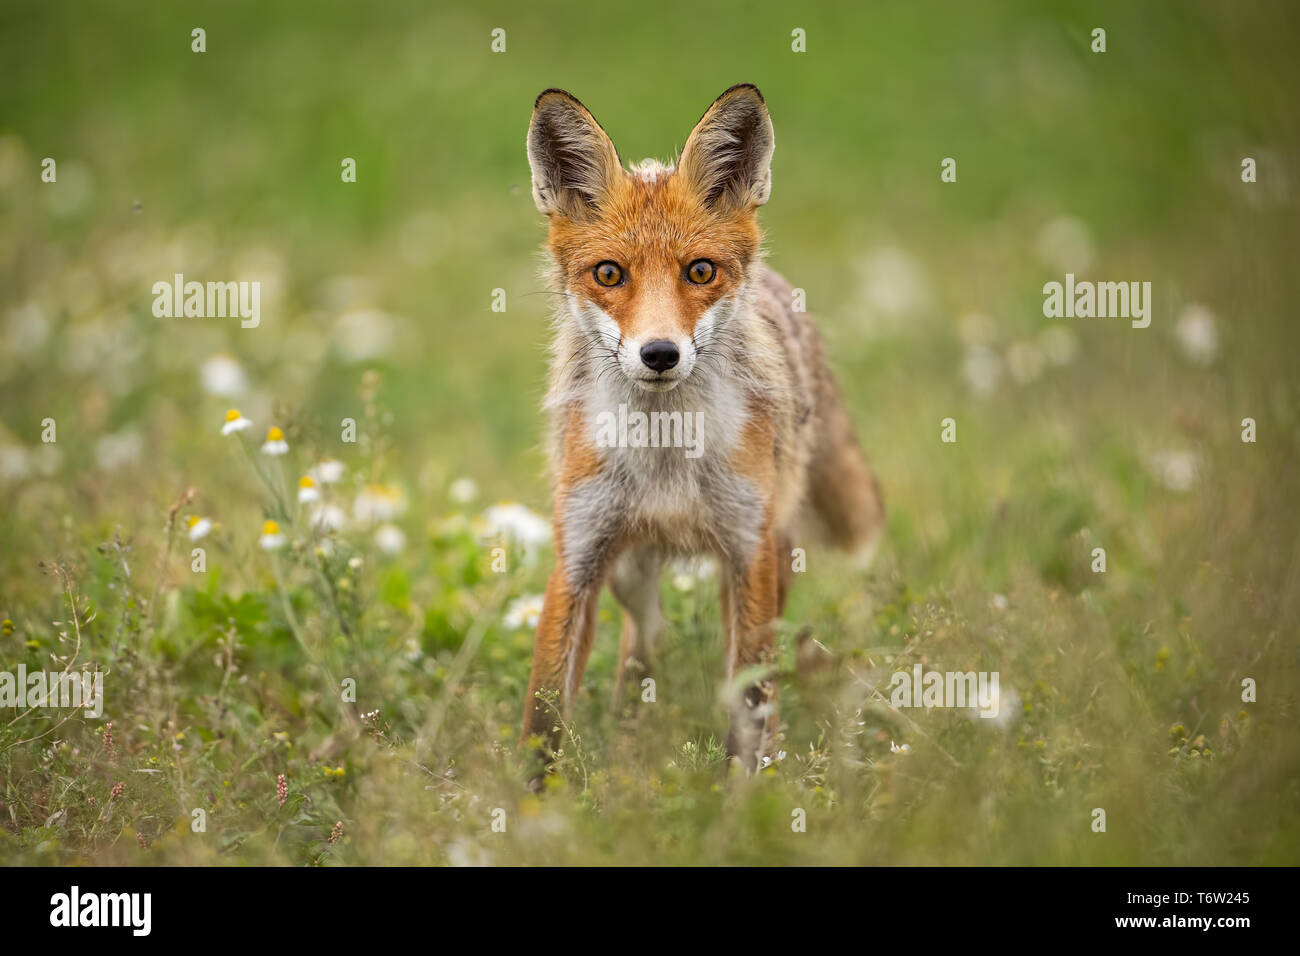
[(660, 355)]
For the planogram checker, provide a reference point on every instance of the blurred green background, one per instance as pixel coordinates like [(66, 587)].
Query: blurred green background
[(376, 305)]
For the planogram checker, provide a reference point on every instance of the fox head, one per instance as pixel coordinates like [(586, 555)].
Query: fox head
[(653, 259)]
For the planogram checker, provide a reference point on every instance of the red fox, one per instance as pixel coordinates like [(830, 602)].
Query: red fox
[(692, 409)]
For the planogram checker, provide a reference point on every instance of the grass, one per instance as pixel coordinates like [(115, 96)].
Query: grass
[(1122, 690)]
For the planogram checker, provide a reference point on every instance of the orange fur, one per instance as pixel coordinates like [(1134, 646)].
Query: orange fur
[(779, 443)]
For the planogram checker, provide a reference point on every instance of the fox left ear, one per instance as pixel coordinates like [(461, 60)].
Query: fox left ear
[(728, 156)]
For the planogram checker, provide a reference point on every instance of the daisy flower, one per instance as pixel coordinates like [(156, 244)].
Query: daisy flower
[(463, 491), (307, 490), (1176, 470), (518, 522), (235, 422), (329, 518), (689, 572), (1197, 334), (328, 471), (523, 612), (275, 443), (390, 539), (271, 537), (198, 527), (222, 375), (769, 760), (378, 503)]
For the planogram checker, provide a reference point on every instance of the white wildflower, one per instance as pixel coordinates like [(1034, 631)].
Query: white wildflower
[(1197, 334), (235, 422), (525, 611), (328, 471), (221, 375), (463, 491), (378, 503), (271, 538), (275, 443), (389, 539)]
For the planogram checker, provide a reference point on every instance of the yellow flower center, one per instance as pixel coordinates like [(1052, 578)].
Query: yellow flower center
[(274, 434), (194, 519), (232, 415), (270, 528), (306, 482)]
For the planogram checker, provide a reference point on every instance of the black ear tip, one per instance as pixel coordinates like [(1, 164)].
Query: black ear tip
[(555, 91), (747, 87)]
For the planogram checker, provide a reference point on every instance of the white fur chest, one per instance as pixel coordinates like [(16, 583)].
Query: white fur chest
[(667, 472)]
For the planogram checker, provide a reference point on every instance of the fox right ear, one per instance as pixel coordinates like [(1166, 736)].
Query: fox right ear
[(573, 161)]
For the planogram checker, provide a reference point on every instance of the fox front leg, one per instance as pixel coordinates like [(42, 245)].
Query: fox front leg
[(750, 606), (560, 650), (585, 537)]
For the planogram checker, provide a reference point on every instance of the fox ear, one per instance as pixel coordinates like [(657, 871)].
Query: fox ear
[(573, 161), (728, 156)]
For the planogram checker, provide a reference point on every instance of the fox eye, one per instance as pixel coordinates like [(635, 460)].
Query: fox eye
[(608, 273), (700, 271)]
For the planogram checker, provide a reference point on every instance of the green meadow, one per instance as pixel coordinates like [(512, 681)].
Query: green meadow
[(345, 685)]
